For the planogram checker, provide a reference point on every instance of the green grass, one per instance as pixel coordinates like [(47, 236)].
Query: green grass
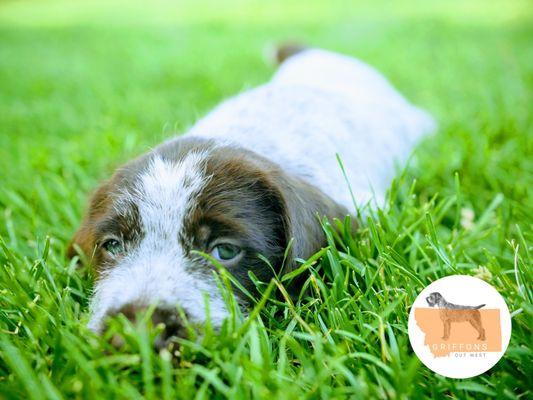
[(86, 86)]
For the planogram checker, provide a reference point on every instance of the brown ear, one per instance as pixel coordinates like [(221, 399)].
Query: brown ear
[(304, 206), (84, 238)]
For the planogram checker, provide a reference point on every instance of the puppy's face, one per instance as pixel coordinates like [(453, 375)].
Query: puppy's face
[(146, 225), (434, 299)]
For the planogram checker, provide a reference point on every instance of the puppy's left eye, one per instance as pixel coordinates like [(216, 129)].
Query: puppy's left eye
[(226, 251), (113, 247)]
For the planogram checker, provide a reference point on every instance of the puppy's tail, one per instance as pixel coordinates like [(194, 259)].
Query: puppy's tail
[(277, 54), (287, 50), (478, 307)]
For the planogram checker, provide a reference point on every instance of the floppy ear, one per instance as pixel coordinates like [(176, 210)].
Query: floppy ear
[(304, 205), (84, 237)]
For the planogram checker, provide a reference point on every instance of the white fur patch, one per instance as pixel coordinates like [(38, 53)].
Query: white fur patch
[(317, 105), (158, 270)]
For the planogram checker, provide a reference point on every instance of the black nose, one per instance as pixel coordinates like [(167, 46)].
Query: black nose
[(172, 323), (173, 327)]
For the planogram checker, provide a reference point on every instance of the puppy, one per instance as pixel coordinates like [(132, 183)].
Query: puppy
[(252, 175), (455, 313)]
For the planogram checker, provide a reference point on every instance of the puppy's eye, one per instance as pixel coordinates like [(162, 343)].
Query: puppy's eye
[(113, 246), (225, 251)]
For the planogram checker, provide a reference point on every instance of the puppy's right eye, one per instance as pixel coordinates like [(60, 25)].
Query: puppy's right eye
[(226, 251), (113, 246)]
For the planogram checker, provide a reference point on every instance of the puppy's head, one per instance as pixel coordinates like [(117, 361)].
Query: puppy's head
[(434, 299), (145, 227)]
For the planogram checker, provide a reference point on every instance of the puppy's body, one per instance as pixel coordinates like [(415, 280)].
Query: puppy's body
[(317, 105), (247, 179)]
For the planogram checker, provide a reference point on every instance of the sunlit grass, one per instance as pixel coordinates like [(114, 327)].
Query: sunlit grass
[(84, 87)]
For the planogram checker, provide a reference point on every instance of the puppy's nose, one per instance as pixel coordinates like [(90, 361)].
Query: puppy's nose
[(131, 311), (172, 323), (173, 327)]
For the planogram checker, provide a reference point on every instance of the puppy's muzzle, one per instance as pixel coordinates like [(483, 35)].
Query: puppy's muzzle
[(171, 322)]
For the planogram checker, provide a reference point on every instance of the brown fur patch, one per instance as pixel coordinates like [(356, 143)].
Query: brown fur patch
[(102, 220), (287, 50), (84, 238)]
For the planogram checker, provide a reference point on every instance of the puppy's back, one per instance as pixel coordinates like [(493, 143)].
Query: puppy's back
[(317, 105), (336, 72)]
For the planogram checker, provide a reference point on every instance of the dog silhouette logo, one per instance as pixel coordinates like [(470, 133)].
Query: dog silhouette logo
[(450, 312), (459, 326)]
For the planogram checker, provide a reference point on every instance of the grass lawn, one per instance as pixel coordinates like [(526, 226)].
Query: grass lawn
[(85, 86)]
